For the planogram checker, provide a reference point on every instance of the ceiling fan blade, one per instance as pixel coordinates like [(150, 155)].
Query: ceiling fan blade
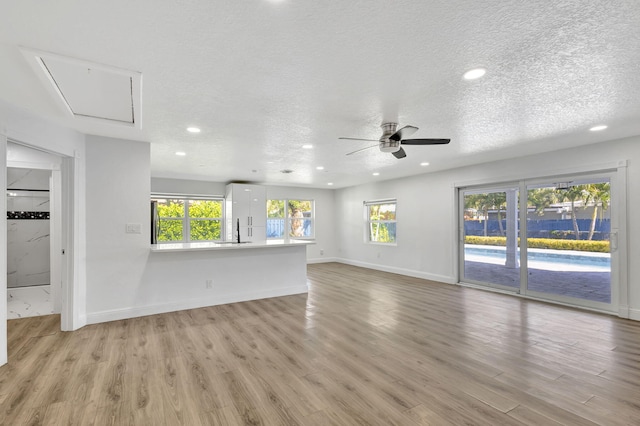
[(399, 154), (425, 141), (400, 134), (361, 149), (359, 139)]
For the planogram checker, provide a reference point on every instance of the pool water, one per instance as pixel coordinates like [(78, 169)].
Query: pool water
[(553, 260)]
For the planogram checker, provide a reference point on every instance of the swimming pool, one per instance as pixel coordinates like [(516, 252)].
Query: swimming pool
[(553, 260)]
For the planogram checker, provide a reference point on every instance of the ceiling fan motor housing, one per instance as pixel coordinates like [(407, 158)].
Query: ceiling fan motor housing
[(387, 145)]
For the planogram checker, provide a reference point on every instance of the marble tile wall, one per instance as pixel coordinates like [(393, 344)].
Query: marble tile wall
[(27, 253), (27, 239)]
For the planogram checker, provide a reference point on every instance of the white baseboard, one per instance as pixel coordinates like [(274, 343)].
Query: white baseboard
[(400, 271), (141, 311), (322, 260), (634, 314)]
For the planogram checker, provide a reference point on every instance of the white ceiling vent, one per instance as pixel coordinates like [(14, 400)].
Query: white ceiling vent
[(90, 91)]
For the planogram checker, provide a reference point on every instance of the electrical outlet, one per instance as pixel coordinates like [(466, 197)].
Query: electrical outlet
[(208, 284), (321, 252)]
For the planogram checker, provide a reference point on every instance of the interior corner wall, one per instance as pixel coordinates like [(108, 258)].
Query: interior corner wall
[(427, 226), (118, 188)]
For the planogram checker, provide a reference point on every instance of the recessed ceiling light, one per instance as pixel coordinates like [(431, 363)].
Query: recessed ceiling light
[(598, 128), (424, 164), (181, 154), (193, 130), (330, 183), (307, 146), (474, 73), (376, 174), (319, 168)]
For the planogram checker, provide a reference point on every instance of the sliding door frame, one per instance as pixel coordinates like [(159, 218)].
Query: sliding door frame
[(617, 173)]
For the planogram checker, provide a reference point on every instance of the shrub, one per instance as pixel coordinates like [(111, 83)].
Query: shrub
[(544, 243)]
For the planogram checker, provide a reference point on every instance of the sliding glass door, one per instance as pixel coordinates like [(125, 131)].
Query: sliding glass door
[(566, 255), (568, 240), (490, 230)]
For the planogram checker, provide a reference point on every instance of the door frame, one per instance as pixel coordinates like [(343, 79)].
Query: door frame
[(619, 241), (65, 262)]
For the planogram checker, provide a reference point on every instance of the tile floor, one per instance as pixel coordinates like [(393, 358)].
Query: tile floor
[(25, 302)]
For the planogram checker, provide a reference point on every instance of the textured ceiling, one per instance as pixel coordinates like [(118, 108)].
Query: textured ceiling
[(263, 78)]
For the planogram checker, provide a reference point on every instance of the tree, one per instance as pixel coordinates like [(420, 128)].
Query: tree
[(275, 209), (205, 220), (599, 194), (541, 198), (170, 213), (573, 194), (485, 201), (205, 217), (379, 230)]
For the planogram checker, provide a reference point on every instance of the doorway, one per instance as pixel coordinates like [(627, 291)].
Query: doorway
[(28, 243), (34, 263), (568, 253)]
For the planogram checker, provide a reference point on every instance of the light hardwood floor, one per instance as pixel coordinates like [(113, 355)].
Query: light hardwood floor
[(363, 347)]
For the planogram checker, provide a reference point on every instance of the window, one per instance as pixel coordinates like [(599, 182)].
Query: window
[(290, 217), (381, 221), (187, 219)]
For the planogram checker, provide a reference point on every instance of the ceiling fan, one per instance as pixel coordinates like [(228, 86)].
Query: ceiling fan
[(391, 140)]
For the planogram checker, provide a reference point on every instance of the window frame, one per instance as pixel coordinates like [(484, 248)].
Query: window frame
[(368, 222), (287, 219), (187, 219)]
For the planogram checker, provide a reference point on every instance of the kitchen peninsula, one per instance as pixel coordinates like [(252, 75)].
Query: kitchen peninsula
[(244, 266), (226, 245), (203, 274)]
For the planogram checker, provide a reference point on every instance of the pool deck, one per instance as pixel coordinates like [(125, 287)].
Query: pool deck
[(588, 285)]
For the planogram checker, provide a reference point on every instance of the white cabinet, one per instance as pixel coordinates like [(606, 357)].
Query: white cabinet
[(246, 208)]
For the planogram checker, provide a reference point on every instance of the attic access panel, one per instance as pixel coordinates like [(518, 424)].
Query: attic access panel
[(91, 91)]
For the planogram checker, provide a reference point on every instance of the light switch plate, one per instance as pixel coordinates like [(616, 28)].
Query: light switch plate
[(134, 228)]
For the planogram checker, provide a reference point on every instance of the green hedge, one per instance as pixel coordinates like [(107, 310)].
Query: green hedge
[(544, 243)]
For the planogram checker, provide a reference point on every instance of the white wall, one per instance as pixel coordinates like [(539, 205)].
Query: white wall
[(118, 188), (183, 186), (427, 218)]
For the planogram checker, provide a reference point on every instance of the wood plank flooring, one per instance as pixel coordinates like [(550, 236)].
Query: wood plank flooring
[(363, 347)]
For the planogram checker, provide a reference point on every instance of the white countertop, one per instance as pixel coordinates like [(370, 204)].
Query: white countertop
[(173, 247)]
